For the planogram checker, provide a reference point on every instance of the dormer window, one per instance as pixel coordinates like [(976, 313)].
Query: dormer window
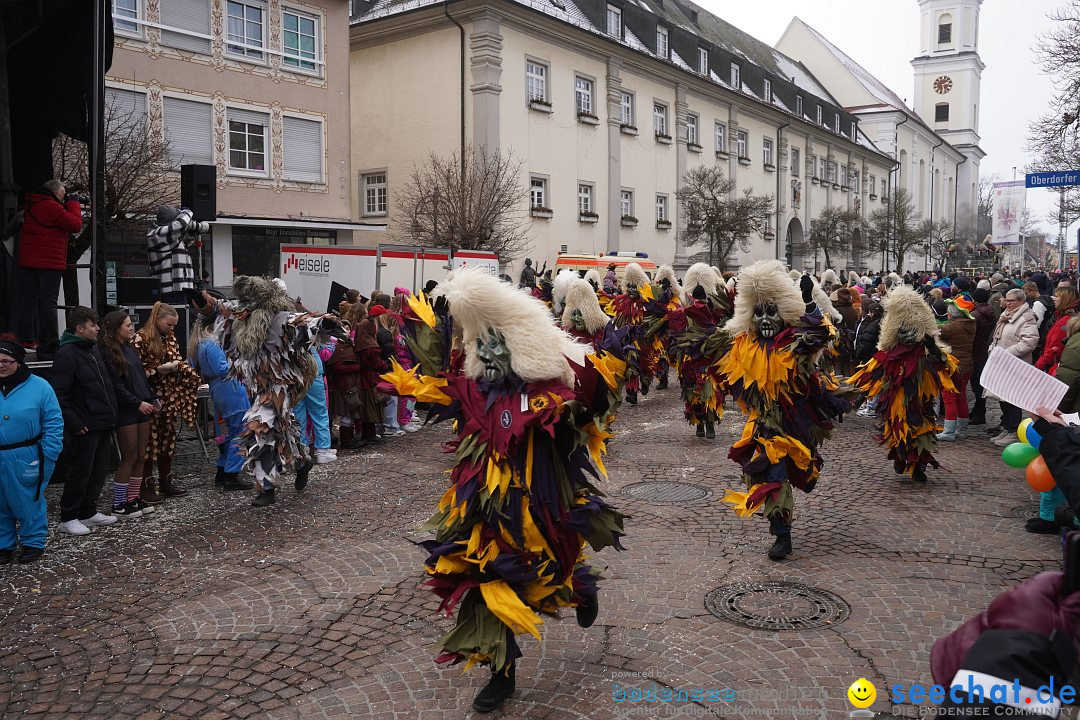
[(798, 106), (768, 90), (614, 21), (819, 114), (736, 76), (703, 61), (662, 42), (836, 124), (944, 33)]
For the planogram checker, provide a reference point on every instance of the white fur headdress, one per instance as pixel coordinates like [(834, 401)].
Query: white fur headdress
[(906, 308), (699, 274), (582, 297), (593, 276), (829, 276), (794, 274), (559, 288), (666, 271), (765, 281), (717, 271), (479, 303), (823, 302), (852, 277), (730, 284), (634, 275)]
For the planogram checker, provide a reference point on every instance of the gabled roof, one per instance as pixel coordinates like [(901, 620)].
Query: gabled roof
[(682, 14)]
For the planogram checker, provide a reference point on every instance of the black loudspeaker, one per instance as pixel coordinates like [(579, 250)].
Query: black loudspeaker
[(132, 291), (198, 191)]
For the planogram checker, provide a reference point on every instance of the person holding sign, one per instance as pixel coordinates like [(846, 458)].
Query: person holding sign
[(1017, 333)]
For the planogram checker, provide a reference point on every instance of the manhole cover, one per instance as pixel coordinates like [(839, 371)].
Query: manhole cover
[(777, 605), (666, 492), (1024, 512)]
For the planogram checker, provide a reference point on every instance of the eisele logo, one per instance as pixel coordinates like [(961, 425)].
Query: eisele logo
[(306, 265)]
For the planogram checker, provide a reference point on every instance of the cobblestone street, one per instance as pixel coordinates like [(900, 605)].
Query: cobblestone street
[(313, 608)]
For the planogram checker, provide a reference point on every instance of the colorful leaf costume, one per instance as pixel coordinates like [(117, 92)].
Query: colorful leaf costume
[(771, 369), (907, 374), (511, 529)]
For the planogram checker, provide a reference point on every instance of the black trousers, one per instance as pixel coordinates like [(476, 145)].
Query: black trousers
[(88, 461), (37, 295), (1010, 416)]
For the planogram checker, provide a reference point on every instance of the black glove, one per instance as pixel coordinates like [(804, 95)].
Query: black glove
[(440, 305), (931, 345), (806, 284)]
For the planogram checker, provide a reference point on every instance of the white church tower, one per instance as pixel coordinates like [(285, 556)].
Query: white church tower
[(948, 73)]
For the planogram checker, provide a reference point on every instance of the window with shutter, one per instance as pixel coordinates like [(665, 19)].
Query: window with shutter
[(188, 130), (125, 107), (303, 147), (189, 25)]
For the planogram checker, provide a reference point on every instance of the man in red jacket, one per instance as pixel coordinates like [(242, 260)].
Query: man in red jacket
[(50, 217)]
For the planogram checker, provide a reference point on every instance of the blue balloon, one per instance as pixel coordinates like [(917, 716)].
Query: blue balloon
[(1034, 439)]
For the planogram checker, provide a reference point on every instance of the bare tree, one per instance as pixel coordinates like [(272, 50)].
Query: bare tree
[(475, 205), (894, 228), (1058, 52), (831, 232), (140, 176), (719, 218), (938, 237)]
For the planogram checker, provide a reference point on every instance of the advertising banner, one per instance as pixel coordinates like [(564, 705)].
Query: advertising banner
[(1010, 199)]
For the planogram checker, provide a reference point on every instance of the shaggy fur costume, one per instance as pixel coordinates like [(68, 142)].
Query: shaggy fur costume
[(852, 278), (765, 281), (908, 379), (824, 303), (479, 303), (699, 274), (593, 278), (668, 272), (582, 298), (268, 346), (830, 276)]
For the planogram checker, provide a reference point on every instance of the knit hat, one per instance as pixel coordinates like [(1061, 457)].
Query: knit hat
[(376, 310), (955, 308), (981, 295), (962, 284), (401, 291), (941, 309), (12, 349), (996, 278), (964, 303), (984, 284)]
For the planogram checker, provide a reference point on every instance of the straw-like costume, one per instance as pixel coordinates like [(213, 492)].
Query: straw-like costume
[(907, 374), (629, 309)]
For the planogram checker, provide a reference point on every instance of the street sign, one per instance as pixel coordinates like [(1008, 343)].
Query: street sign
[(1062, 178)]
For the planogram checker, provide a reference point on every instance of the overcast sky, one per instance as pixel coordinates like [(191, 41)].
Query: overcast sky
[(882, 36)]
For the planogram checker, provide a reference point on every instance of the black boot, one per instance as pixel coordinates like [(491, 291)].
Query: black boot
[(233, 482), (977, 416), (645, 388), (219, 478), (587, 610), (302, 470), (264, 498), (782, 547), (919, 473), (631, 397), (1042, 527), (710, 430), (662, 385), (495, 693), (899, 467), (701, 429)]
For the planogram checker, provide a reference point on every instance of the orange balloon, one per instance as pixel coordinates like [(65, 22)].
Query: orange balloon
[(1039, 477)]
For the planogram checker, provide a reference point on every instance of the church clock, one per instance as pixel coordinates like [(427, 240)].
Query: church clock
[(943, 84)]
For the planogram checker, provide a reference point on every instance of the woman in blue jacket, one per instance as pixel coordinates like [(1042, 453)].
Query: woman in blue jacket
[(31, 437), (229, 397)]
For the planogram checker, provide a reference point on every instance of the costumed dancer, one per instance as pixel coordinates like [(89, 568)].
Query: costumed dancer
[(668, 295), (908, 373), (228, 395), (696, 346), (269, 349), (558, 290), (511, 529), (629, 312), (777, 336), (592, 277)]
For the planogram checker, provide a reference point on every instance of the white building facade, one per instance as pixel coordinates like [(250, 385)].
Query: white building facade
[(609, 104)]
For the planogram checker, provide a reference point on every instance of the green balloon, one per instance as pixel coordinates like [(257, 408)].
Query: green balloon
[(1018, 454)]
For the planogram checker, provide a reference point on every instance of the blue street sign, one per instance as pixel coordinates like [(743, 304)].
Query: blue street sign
[(1061, 178)]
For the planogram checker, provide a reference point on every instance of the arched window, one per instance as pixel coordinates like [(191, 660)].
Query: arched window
[(941, 112), (944, 29)]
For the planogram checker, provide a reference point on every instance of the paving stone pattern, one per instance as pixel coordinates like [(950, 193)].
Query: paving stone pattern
[(314, 607)]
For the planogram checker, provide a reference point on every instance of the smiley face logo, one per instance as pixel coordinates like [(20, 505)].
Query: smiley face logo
[(862, 693)]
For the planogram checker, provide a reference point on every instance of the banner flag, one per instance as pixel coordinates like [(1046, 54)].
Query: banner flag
[(1010, 199)]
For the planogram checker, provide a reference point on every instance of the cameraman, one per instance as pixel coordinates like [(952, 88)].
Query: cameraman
[(168, 244), (50, 216)]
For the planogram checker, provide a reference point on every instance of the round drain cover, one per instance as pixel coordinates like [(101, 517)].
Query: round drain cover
[(1024, 512), (777, 605), (666, 492)]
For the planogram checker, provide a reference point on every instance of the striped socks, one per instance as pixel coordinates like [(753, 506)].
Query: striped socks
[(134, 487), (120, 491)]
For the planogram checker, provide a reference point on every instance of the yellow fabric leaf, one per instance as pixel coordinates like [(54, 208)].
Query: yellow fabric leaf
[(597, 447), (611, 368), (423, 311), (504, 604), (737, 500)]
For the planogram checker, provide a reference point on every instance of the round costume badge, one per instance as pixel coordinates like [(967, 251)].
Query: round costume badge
[(506, 419)]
